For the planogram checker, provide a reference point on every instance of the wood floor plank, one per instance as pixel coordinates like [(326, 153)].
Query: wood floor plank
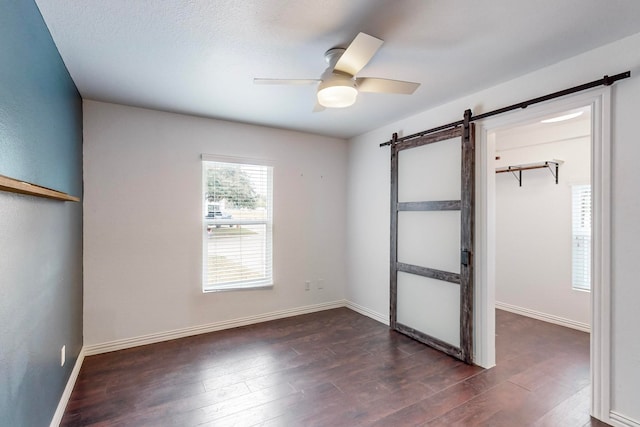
[(537, 402), (357, 413), (429, 408), (573, 411), (482, 407), (337, 368)]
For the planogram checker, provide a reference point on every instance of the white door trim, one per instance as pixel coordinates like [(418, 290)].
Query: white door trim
[(600, 101)]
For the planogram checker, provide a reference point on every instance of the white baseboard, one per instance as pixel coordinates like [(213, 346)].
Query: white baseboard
[(367, 312), (622, 421), (212, 327), (584, 327), (66, 394)]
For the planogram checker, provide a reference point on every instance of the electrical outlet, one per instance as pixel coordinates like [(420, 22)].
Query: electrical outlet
[(320, 283), (307, 285), (63, 355)]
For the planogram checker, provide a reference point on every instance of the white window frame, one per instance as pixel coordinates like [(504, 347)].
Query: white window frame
[(581, 241), (263, 283)]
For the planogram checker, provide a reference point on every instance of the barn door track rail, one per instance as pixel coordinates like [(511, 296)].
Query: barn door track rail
[(605, 81)]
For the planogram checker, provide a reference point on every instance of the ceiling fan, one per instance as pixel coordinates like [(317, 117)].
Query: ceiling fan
[(338, 86)]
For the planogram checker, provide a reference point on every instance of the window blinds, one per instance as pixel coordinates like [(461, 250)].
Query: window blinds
[(238, 217), (581, 236)]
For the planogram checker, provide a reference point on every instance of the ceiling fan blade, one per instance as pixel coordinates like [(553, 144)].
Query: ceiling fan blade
[(372, 84), (358, 54), (260, 81)]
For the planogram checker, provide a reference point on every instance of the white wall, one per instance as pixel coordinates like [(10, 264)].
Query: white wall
[(533, 223), (368, 197), (143, 225)]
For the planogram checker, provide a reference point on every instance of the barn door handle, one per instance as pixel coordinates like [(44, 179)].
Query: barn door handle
[(465, 257)]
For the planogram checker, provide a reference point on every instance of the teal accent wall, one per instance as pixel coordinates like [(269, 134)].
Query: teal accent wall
[(40, 239)]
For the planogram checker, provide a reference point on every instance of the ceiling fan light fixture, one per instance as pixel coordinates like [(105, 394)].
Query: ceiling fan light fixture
[(337, 92)]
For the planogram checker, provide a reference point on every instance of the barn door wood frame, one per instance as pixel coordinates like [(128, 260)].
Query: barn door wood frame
[(466, 205)]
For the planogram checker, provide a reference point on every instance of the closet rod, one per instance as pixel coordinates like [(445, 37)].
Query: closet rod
[(606, 81), (542, 165)]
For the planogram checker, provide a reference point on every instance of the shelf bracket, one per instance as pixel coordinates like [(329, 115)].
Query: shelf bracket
[(551, 166), (518, 176)]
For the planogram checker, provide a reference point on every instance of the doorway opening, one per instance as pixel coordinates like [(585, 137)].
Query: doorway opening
[(597, 103), (543, 218)]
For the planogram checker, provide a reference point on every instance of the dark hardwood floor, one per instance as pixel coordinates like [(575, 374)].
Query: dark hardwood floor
[(337, 368)]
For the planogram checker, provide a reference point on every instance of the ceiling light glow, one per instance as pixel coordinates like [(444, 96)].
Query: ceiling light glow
[(562, 118)]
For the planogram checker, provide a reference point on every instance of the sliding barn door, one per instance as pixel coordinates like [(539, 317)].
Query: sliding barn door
[(432, 210)]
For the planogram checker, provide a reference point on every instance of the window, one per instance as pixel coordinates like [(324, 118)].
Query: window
[(581, 237), (237, 215)]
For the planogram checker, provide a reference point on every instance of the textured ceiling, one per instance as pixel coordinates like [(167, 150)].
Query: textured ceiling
[(199, 57)]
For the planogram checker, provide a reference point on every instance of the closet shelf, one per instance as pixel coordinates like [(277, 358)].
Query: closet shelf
[(552, 165), (16, 186)]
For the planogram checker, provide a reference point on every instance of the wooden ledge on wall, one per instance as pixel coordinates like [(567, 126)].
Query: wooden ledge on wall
[(17, 186)]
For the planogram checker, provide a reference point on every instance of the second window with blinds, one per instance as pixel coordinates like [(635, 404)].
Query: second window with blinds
[(238, 223), (581, 237)]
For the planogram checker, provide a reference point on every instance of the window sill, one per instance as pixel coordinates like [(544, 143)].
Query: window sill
[(238, 288), (581, 290)]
